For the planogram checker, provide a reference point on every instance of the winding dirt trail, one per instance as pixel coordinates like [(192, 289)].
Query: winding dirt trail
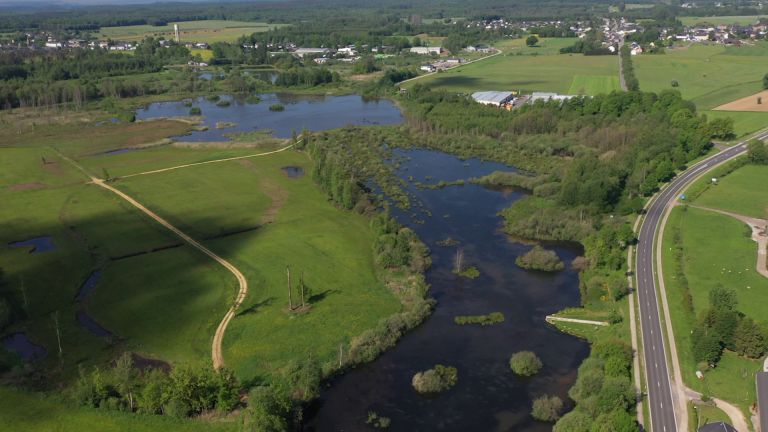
[(218, 337)]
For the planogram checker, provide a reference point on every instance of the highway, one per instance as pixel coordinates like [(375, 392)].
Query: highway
[(658, 383)]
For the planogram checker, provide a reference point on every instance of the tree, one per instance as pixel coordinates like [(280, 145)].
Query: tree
[(458, 260), (748, 338), (533, 40), (125, 377), (547, 408), (765, 82), (757, 152), (721, 297), (525, 363), (269, 409), (674, 83), (721, 127), (706, 345), (416, 41), (427, 382), (290, 290)]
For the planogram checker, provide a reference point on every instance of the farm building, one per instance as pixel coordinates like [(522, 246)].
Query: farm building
[(495, 98), (427, 50), (546, 96), (301, 52), (428, 68)]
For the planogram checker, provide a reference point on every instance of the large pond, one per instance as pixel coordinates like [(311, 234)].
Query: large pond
[(315, 112), (487, 397), (20, 343)]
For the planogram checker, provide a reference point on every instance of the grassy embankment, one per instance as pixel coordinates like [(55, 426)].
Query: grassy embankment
[(713, 21), (209, 31), (739, 192), (548, 71), (715, 250), (710, 75)]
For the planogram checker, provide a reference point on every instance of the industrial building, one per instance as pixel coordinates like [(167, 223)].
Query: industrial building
[(427, 50), (547, 96), (495, 98)]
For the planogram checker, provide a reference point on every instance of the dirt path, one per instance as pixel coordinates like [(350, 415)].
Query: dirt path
[(218, 359), (737, 417), (758, 234), (574, 320), (206, 162)]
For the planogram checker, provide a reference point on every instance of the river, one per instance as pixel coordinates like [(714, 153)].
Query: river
[(488, 396)]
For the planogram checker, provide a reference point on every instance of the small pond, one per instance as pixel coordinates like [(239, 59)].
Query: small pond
[(209, 75), (39, 244), (89, 285), (21, 345), (91, 325), (293, 172), (315, 112)]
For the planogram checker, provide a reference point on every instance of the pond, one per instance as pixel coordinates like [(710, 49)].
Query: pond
[(89, 285), (487, 396), (39, 244), (293, 172), (21, 345), (92, 326), (315, 112)]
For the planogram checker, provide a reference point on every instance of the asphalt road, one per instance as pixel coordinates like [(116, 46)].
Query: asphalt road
[(658, 386)]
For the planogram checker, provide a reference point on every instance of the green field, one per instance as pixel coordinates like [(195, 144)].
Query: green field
[(709, 75), (547, 71), (209, 31), (745, 123), (24, 412), (729, 20), (713, 242), (741, 192), (307, 234), (592, 85)]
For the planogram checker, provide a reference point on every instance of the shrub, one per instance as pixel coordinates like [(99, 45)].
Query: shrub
[(547, 408), (614, 317), (525, 363), (195, 111), (435, 380), (253, 99), (187, 104), (490, 319), (468, 271), (223, 103), (539, 258), (674, 83), (213, 98), (276, 107)]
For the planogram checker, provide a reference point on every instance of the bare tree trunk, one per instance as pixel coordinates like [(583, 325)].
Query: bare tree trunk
[(302, 287), (55, 317), (290, 294), (341, 353), (457, 261)]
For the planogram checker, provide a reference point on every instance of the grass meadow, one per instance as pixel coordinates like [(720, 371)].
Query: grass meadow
[(331, 246), (25, 412), (713, 242), (592, 85), (709, 75), (209, 31), (713, 21), (546, 71), (745, 123), (741, 192)]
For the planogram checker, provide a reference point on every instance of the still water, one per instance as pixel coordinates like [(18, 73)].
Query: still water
[(21, 345), (315, 112), (39, 244), (488, 396)]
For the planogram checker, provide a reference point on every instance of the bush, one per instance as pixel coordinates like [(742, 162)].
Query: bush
[(547, 408), (614, 317), (253, 99), (223, 103), (195, 111), (276, 107), (213, 98), (674, 83), (435, 380), (468, 271), (539, 258), (490, 319), (525, 363), (188, 104)]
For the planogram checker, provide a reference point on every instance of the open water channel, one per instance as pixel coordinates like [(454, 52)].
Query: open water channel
[(488, 396)]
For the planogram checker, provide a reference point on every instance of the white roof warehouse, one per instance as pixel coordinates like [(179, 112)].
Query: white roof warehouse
[(495, 98)]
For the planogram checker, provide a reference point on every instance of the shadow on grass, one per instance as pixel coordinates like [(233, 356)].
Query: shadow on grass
[(321, 296), (255, 308)]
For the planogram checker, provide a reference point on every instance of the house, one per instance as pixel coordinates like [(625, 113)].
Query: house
[(428, 68), (248, 46), (189, 45), (347, 51), (452, 61), (722, 26), (470, 48), (720, 426), (484, 49), (636, 51), (53, 44), (322, 60), (301, 52), (104, 45), (427, 50), (202, 46)]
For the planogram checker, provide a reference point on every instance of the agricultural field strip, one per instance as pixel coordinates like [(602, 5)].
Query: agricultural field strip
[(206, 162), (216, 352)]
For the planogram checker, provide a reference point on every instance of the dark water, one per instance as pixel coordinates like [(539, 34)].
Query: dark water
[(89, 285), (209, 75), (114, 152), (268, 76), (315, 112), (293, 172), (91, 325), (39, 245), (487, 397), (19, 343)]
